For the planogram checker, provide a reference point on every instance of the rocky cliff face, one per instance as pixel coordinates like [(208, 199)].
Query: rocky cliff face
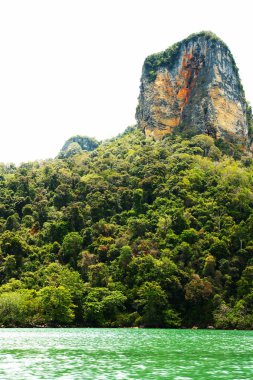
[(193, 87)]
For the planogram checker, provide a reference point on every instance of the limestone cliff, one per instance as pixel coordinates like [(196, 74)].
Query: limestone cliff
[(193, 87)]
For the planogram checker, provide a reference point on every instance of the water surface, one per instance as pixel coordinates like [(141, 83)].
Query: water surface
[(117, 354)]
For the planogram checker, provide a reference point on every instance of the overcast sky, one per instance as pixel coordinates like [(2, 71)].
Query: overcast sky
[(72, 67)]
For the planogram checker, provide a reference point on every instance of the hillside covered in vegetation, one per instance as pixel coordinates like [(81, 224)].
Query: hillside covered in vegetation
[(133, 233)]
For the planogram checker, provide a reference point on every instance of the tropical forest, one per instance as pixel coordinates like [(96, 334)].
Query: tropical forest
[(130, 232)]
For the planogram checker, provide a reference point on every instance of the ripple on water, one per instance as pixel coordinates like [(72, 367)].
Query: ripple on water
[(125, 354)]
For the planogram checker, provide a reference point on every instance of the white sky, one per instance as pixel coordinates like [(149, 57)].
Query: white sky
[(73, 67)]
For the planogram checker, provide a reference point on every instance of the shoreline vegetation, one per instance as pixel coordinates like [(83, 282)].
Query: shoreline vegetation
[(131, 233), (115, 327), (119, 327)]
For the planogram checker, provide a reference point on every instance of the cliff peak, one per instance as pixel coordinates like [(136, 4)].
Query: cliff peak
[(193, 87)]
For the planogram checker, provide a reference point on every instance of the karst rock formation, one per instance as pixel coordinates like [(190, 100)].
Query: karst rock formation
[(193, 88)]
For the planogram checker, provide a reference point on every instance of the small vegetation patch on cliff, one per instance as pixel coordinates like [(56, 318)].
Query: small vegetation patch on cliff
[(168, 57)]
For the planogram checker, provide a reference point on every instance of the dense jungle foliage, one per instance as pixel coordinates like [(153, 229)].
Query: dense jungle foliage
[(134, 233)]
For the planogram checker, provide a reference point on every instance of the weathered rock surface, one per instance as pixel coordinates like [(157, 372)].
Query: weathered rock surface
[(193, 87)]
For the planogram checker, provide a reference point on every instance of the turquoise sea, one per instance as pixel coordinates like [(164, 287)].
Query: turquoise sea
[(104, 354)]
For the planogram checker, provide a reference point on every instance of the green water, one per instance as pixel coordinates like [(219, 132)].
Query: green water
[(104, 354)]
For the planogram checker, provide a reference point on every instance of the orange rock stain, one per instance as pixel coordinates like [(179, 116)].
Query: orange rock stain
[(173, 95)]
